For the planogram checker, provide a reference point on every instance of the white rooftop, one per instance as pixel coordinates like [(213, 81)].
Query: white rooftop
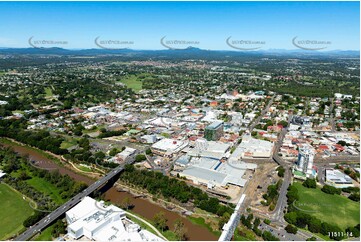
[(169, 145)]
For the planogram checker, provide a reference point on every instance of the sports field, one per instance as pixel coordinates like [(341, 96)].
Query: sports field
[(334, 209), (132, 82), (14, 210)]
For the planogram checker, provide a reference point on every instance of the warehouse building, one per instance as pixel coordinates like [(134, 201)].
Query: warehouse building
[(338, 179), (254, 148)]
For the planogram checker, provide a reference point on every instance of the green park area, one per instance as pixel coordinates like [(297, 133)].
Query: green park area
[(48, 92), (333, 209), (133, 83), (46, 188), (14, 211)]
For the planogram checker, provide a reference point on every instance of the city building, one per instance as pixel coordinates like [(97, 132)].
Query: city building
[(338, 179), (214, 131), (93, 220), (304, 166), (166, 147)]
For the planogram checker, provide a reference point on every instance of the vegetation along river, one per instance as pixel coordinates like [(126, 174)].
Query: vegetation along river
[(142, 206)]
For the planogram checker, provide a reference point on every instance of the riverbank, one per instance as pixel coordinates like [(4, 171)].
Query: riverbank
[(145, 208)]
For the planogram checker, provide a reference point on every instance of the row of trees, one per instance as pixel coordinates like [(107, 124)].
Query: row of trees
[(179, 230), (171, 188), (105, 134), (40, 139)]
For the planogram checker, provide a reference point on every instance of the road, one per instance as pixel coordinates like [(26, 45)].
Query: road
[(339, 158), (332, 119), (283, 235), (263, 112), (277, 214), (46, 221)]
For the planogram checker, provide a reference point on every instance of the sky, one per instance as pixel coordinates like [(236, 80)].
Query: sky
[(205, 25)]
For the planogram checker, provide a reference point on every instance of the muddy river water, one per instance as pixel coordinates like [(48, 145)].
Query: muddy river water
[(142, 206)]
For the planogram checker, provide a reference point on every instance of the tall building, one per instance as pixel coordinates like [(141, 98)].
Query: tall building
[(304, 163), (214, 131)]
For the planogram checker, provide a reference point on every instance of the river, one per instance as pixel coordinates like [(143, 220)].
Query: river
[(142, 206)]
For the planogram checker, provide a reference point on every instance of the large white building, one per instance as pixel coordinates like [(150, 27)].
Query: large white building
[(338, 179), (254, 148), (92, 220), (168, 146)]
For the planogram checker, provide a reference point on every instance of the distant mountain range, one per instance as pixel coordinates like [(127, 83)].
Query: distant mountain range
[(190, 51)]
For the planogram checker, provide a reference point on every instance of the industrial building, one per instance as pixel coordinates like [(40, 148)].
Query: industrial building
[(214, 131), (214, 173), (254, 148), (206, 164), (92, 220), (338, 179)]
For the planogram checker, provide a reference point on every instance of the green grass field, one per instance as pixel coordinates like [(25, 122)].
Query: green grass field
[(48, 92), (68, 143), (47, 188), (14, 211), (334, 209), (202, 222), (133, 83)]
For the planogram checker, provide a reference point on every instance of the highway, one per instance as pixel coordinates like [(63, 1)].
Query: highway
[(43, 223)]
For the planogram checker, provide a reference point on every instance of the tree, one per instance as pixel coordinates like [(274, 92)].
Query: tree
[(315, 225), (312, 239), (292, 194), (310, 183), (341, 142), (283, 123), (113, 152), (353, 231), (160, 221), (355, 197), (148, 151), (267, 221), (223, 220), (179, 230), (291, 217), (140, 157), (59, 228), (281, 171), (291, 229), (330, 190), (268, 236)]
